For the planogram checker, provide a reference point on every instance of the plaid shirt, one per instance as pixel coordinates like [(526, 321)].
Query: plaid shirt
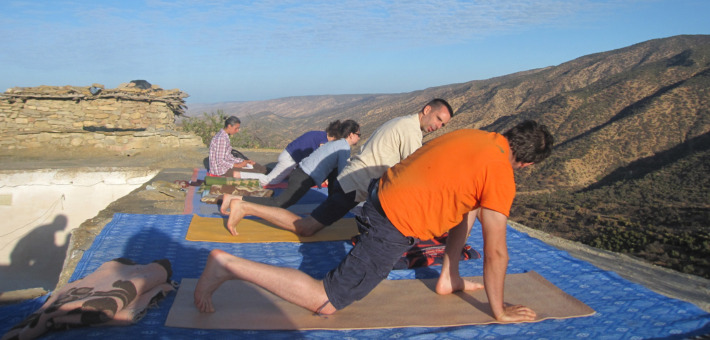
[(221, 158)]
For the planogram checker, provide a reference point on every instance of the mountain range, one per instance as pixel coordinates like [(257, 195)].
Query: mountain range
[(605, 110), (630, 168)]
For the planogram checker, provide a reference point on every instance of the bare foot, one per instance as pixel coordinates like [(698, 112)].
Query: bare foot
[(446, 285), (236, 214), (212, 277), (226, 199)]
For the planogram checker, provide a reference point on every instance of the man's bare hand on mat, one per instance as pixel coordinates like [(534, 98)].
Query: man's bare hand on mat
[(516, 313), (447, 285)]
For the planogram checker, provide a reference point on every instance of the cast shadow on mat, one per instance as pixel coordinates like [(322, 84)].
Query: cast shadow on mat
[(151, 244)]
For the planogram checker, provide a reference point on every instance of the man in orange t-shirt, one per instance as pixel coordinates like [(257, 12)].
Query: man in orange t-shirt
[(426, 194), (442, 187)]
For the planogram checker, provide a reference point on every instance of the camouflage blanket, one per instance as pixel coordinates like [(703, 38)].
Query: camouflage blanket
[(251, 183), (217, 190)]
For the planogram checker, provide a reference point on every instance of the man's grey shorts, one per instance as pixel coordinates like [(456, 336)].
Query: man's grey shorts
[(379, 247)]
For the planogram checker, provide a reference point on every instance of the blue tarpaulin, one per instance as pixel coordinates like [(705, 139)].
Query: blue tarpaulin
[(624, 310)]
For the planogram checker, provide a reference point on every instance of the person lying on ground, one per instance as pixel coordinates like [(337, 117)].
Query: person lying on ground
[(221, 158), (424, 196), (294, 153), (327, 161), (388, 145)]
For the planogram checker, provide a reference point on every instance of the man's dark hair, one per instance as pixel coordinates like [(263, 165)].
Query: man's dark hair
[(333, 129), (530, 142), (231, 121), (347, 127), (437, 104)]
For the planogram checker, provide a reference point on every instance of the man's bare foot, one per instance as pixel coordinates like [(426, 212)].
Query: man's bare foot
[(236, 214), (226, 199), (446, 285), (212, 277), (224, 208)]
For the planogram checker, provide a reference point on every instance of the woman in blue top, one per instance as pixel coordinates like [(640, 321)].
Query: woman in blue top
[(326, 162), (294, 153)]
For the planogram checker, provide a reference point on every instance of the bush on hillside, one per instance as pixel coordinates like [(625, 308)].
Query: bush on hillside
[(209, 124)]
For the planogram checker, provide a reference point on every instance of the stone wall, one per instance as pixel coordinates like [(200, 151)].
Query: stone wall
[(121, 119)]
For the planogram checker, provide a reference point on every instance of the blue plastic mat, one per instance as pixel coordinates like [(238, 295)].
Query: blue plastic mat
[(624, 310)]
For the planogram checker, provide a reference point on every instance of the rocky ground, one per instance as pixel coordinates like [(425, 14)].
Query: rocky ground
[(179, 164)]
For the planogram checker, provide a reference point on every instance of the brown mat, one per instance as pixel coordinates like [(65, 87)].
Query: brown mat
[(257, 231), (393, 304)]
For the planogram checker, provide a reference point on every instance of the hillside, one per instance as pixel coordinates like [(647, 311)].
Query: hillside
[(290, 107), (629, 171), (656, 208), (606, 110)]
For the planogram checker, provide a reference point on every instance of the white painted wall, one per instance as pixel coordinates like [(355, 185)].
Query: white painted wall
[(46, 206)]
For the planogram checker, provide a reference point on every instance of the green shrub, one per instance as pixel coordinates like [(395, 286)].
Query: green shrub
[(205, 127), (209, 124)]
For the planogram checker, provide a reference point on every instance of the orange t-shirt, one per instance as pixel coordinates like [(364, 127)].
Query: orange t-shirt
[(429, 192)]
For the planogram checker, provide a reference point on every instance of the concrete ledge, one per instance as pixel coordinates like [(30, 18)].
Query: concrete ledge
[(89, 176)]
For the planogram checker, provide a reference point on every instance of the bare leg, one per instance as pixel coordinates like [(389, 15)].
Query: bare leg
[(307, 226), (290, 284), (226, 199), (282, 218), (450, 281)]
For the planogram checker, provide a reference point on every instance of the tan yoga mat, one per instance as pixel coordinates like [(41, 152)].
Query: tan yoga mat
[(210, 229), (392, 304)]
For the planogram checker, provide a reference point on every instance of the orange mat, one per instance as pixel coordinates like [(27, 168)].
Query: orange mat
[(210, 229)]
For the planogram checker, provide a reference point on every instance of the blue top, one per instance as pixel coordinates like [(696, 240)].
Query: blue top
[(303, 146), (322, 161)]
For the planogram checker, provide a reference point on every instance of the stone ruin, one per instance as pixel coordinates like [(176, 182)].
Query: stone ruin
[(123, 119)]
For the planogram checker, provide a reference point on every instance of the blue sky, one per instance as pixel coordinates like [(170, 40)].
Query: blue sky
[(255, 50)]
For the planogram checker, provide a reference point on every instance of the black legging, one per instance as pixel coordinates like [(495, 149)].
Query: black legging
[(298, 185)]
